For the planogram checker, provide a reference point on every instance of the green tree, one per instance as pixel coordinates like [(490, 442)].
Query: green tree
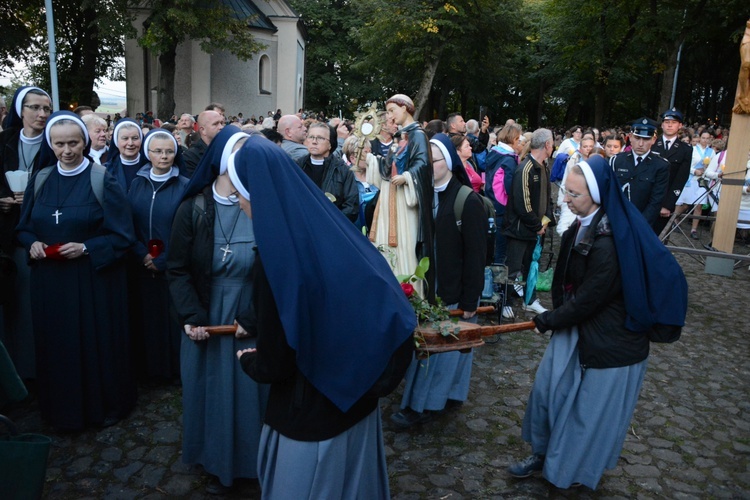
[(17, 17), (211, 22), (612, 62), (89, 36), (407, 41), (333, 80)]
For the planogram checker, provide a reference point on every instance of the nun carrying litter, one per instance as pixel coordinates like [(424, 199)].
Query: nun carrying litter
[(326, 359)]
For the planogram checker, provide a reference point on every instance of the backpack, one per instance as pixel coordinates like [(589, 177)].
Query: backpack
[(480, 160), (97, 180), (664, 333), (558, 168), (489, 209)]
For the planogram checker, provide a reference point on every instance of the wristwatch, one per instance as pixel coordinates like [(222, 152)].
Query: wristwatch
[(85, 250)]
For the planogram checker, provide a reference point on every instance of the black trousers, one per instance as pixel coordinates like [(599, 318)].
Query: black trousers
[(518, 260)]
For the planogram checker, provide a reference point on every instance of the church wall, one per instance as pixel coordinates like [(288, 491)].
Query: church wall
[(235, 83), (201, 78), (183, 81)]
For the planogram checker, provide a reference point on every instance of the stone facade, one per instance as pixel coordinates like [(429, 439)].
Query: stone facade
[(273, 79)]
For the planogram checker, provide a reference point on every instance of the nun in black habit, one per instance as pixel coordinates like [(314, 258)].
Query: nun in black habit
[(23, 152)]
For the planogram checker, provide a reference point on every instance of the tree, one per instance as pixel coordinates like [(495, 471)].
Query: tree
[(211, 22), (89, 37), (539, 61), (407, 41), (17, 18)]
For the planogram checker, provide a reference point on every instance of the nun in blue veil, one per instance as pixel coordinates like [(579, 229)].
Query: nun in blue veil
[(154, 196), (209, 272), (210, 165), (125, 155), (76, 232), (615, 286), (326, 359)]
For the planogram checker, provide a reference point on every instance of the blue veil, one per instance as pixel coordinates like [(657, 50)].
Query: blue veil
[(14, 120), (178, 160), (653, 283), (209, 166), (343, 311), (114, 151)]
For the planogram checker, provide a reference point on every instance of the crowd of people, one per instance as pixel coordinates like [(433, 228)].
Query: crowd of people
[(135, 243)]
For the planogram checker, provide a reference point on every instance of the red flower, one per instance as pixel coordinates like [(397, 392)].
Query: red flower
[(407, 288)]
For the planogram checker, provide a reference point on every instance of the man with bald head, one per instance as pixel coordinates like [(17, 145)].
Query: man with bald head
[(210, 123), (293, 130)]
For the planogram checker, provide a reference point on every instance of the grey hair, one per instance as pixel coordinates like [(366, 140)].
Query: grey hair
[(92, 119), (472, 127), (540, 137)]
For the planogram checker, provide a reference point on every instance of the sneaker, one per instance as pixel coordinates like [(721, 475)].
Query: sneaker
[(407, 418), (527, 467), (508, 312), (694, 234), (535, 307), (519, 289)]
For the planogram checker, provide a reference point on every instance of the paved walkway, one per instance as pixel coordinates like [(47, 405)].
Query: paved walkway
[(690, 436)]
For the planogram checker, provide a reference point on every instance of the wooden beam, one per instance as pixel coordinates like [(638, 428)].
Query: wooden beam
[(736, 157)]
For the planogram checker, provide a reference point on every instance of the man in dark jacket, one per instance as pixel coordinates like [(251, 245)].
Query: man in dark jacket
[(642, 172), (329, 172), (680, 156), (210, 123), (528, 212), (457, 126)]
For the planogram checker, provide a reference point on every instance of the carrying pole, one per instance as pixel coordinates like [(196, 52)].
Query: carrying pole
[(52, 55)]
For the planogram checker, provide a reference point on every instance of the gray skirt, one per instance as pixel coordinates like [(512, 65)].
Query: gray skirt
[(579, 418), (431, 382), (349, 466)]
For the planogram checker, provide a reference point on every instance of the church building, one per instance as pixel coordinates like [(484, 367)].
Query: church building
[(273, 79)]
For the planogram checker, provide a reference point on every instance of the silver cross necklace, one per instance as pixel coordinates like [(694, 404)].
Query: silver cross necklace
[(60, 203), (226, 248)]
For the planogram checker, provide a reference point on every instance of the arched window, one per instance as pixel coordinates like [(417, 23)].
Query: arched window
[(264, 75)]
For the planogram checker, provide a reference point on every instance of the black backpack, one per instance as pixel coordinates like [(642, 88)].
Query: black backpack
[(664, 333), (489, 208)]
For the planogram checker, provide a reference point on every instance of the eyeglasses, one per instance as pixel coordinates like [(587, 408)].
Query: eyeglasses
[(565, 192), (36, 108), (161, 152), (315, 138)]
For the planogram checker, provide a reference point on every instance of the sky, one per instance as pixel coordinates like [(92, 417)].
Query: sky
[(111, 93)]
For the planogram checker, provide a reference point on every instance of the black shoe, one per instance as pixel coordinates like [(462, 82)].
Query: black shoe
[(214, 487), (453, 404), (109, 422), (407, 418), (527, 467)]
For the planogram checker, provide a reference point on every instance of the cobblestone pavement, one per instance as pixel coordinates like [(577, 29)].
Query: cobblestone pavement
[(690, 435)]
